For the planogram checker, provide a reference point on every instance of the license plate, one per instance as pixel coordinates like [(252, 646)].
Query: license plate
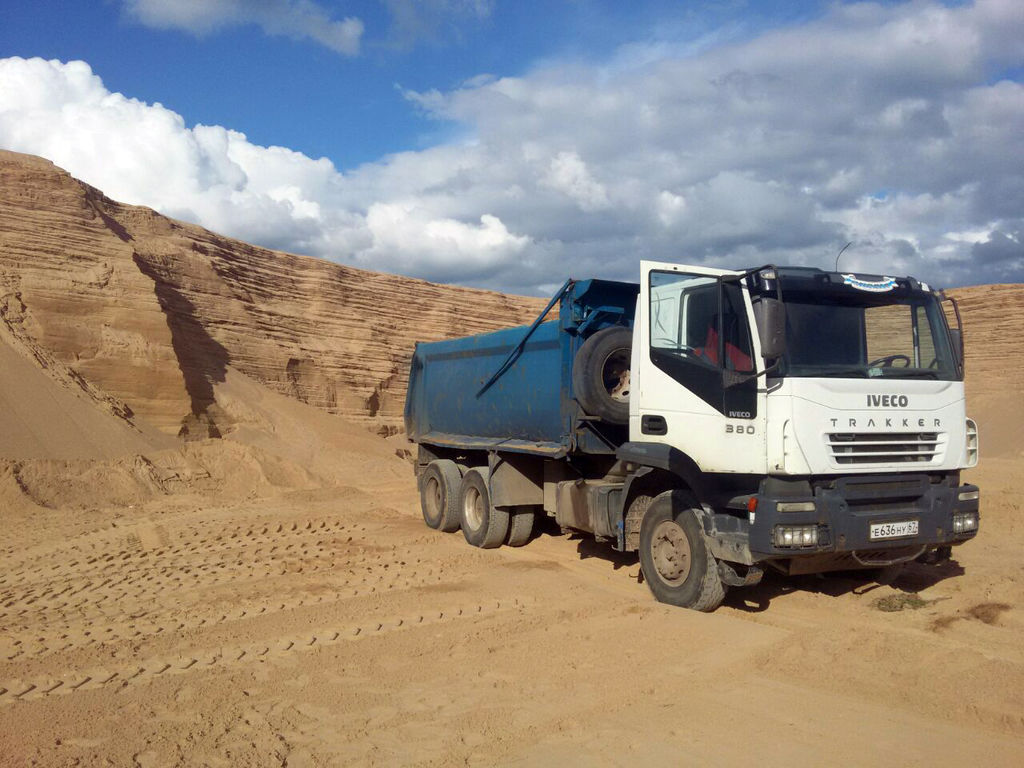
[(895, 530)]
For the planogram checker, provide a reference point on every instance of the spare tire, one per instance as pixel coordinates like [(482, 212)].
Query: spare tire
[(600, 374)]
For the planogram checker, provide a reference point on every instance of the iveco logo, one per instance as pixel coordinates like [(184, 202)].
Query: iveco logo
[(888, 401)]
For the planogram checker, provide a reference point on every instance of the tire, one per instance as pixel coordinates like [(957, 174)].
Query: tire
[(600, 374), (483, 525), (521, 527), (634, 517), (677, 566), (439, 495)]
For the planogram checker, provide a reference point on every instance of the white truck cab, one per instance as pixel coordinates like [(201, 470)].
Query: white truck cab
[(839, 396)]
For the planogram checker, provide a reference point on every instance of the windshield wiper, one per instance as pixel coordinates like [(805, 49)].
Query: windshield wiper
[(904, 373), (857, 372)]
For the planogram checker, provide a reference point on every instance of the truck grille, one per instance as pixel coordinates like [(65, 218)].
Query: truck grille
[(883, 447)]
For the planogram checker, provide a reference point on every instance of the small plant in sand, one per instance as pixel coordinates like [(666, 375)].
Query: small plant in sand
[(900, 601)]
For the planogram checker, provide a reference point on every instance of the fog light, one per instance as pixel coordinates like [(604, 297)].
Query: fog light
[(965, 522), (796, 535), (795, 506), (969, 495)]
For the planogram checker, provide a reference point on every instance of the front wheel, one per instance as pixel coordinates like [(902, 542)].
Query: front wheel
[(678, 568)]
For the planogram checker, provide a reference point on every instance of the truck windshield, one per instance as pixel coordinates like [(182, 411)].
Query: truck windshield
[(835, 329)]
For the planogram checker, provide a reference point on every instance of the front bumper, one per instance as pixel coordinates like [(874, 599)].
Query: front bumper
[(842, 511)]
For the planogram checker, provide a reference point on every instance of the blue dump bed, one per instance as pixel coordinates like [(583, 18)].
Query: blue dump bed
[(495, 391)]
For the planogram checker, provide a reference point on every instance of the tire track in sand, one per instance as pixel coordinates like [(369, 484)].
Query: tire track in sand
[(16, 690)]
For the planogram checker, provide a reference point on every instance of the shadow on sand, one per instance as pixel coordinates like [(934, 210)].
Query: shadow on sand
[(914, 578)]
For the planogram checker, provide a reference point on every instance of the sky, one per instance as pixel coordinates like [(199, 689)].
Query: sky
[(510, 145)]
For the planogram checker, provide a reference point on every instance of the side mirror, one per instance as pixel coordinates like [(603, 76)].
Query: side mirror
[(958, 345), (770, 315)]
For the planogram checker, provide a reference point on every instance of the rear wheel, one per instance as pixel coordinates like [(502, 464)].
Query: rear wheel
[(483, 525), (439, 495), (677, 565), (521, 527)]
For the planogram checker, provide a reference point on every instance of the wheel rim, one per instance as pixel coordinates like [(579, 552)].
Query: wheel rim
[(615, 374), (670, 550), (473, 508), (433, 498)]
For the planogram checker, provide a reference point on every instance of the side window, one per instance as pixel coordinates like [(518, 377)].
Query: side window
[(665, 320), (684, 312), (739, 354), (694, 342)]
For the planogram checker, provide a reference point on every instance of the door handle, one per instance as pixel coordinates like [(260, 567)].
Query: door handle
[(653, 424)]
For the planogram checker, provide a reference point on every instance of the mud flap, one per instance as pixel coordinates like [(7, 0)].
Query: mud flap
[(736, 575)]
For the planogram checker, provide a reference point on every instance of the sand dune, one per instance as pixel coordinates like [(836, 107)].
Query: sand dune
[(270, 596)]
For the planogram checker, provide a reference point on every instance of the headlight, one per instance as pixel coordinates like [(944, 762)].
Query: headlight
[(969, 495)]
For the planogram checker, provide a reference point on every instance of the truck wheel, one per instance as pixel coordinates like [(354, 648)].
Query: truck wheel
[(677, 565), (483, 525), (522, 526), (439, 495), (600, 374), (634, 517)]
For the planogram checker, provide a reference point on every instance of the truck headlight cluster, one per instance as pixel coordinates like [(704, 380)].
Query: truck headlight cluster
[(965, 522), (796, 535)]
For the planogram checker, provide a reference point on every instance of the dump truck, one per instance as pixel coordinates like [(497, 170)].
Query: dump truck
[(718, 422)]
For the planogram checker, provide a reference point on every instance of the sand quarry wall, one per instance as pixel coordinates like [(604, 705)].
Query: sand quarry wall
[(153, 311)]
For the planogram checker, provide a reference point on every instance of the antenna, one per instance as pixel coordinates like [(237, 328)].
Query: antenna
[(841, 253)]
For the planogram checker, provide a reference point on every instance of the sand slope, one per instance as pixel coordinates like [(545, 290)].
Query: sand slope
[(50, 413)]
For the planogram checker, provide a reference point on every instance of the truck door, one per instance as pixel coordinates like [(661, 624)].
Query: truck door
[(694, 357)]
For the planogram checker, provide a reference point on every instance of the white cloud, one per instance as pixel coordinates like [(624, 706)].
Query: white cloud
[(406, 236), (297, 19), (886, 125), (568, 174), (671, 207), (144, 154)]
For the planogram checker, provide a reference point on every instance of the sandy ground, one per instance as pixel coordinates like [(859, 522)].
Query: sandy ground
[(273, 598), (328, 626)]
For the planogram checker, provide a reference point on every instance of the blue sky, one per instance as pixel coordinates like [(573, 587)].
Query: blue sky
[(505, 144), (304, 96)]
